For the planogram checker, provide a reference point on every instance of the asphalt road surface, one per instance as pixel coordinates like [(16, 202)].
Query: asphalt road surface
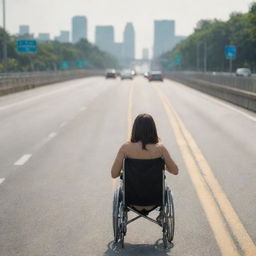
[(57, 145)]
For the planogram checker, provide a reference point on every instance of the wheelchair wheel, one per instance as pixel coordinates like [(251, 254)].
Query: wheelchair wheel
[(168, 225), (115, 214), (119, 218)]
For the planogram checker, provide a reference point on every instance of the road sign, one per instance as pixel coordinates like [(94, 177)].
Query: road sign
[(64, 65), (230, 52), (82, 63), (177, 60), (26, 46)]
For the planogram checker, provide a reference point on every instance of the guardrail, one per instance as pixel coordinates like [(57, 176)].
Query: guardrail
[(231, 80), (237, 90), (14, 82)]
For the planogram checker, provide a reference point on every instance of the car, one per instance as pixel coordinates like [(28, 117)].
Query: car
[(155, 76), (126, 74), (146, 74), (246, 72), (111, 73)]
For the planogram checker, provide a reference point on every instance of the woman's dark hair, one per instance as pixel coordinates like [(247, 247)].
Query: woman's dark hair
[(144, 130)]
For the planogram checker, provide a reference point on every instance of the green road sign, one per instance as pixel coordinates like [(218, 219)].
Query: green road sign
[(26, 46), (65, 65)]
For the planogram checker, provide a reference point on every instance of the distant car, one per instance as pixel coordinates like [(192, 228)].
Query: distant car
[(111, 73), (133, 72), (155, 76), (146, 74), (243, 72), (127, 74)]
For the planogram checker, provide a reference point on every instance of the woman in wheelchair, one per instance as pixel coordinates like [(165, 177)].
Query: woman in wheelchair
[(142, 160)]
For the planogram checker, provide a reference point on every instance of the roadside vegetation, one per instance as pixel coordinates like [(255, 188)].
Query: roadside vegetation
[(51, 56), (209, 40)]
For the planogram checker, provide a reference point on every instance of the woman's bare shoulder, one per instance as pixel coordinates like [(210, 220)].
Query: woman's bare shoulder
[(126, 145), (160, 145)]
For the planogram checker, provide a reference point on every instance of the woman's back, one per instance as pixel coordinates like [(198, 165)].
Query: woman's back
[(134, 150)]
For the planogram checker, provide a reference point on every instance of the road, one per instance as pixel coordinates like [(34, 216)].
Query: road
[(57, 145)]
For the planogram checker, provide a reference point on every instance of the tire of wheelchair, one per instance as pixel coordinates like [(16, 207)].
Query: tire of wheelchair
[(115, 214), (169, 222), (119, 225)]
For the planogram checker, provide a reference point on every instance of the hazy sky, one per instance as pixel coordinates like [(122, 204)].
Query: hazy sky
[(55, 15)]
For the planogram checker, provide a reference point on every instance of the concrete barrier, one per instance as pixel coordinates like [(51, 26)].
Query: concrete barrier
[(243, 98), (15, 82)]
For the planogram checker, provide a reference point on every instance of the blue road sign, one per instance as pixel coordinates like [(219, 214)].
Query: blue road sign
[(177, 60), (82, 63), (230, 52), (64, 65), (26, 46)]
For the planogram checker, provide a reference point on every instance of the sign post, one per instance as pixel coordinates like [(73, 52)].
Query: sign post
[(230, 53)]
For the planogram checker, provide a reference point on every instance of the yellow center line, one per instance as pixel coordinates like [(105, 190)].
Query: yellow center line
[(129, 122), (213, 214)]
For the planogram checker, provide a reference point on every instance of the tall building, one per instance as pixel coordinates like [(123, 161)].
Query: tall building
[(104, 38), (63, 37), (145, 54), (118, 50), (164, 36), (44, 37), (23, 29), (129, 43), (79, 28)]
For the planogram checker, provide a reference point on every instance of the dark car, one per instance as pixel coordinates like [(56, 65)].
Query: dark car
[(156, 76), (111, 73)]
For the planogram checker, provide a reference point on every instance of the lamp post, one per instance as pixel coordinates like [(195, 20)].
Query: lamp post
[(205, 56), (4, 41)]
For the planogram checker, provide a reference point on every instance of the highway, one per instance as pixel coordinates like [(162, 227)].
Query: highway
[(57, 145)]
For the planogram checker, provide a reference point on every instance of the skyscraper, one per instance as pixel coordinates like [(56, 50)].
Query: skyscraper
[(145, 54), (129, 42), (164, 36), (44, 37), (104, 38), (23, 29), (79, 28)]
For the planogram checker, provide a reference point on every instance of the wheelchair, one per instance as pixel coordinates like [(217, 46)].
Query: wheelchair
[(142, 182)]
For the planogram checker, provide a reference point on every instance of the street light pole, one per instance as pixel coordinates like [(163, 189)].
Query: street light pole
[(4, 40), (197, 57), (205, 56)]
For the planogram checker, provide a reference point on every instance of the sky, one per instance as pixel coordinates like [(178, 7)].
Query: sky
[(51, 16)]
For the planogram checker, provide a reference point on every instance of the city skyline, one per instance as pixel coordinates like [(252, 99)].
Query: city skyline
[(142, 14), (164, 38)]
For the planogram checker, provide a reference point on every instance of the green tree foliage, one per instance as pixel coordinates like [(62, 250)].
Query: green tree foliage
[(210, 38), (49, 56)]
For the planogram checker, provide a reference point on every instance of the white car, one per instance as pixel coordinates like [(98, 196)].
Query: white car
[(243, 72), (127, 74)]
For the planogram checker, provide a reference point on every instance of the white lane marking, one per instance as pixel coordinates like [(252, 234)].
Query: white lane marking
[(229, 107), (52, 135), (2, 180), (218, 101), (63, 124), (82, 109), (23, 159)]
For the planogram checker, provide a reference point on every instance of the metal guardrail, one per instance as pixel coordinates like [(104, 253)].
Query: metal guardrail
[(226, 79), (238, 90), (13, 82)]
